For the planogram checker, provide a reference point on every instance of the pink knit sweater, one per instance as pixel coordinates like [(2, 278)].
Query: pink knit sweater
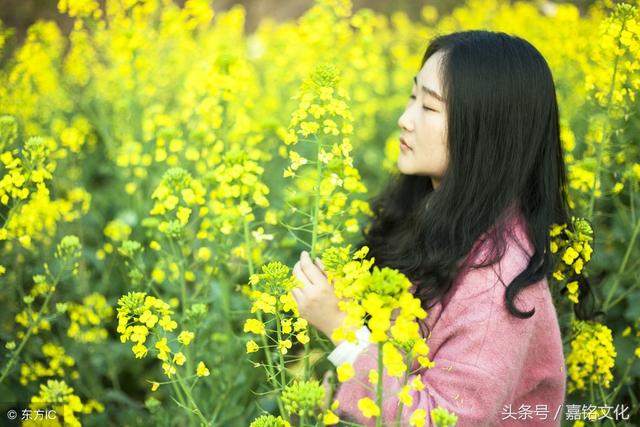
[(491, 368)]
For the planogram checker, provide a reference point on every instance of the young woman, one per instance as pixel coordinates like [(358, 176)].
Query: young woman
[(467, 220)]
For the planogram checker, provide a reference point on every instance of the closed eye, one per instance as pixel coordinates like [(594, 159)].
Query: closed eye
[(424, 107)]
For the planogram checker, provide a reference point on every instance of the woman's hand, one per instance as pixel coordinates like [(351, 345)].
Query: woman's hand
[(317, 302)]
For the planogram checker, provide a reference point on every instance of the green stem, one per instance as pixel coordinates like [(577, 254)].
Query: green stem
[(177, 256), (193, 403), (605, 131), (270, 371), (179, 394), (283, 373), (616, 390), (409, 363), (379, 386), (591, 398), (604, 402), (316, 202), (17, 352), (623, 265), (247, 241), (314, 236)]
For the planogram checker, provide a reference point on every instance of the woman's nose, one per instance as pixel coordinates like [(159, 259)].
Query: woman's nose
[(405, 122)]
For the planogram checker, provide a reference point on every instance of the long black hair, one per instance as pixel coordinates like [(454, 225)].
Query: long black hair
[(505, 156)]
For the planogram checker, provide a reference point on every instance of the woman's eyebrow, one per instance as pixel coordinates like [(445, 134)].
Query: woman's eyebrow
[(429, 91)]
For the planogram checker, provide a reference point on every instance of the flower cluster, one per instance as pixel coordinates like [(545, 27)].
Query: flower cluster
[(326, 179), (176, 194), (575, 250), (383, 296), (29, 317), (92, 116), (116, 231), (592, 355), (57, 363), (33, 216), (69, 252), (139, 315), (303, 398), (237, 196), (270, 293), (442, 418), (57, 395), (86, 319), (269, 421)]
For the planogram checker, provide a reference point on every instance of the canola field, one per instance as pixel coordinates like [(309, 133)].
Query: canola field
[(161, 170)]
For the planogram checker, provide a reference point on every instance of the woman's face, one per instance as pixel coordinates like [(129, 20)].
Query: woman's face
[(423, 125)]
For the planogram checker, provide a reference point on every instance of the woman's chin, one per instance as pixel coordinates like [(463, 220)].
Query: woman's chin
[(403, 167)]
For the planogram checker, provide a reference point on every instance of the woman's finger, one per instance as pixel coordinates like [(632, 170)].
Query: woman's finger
[(320, 266), (313, 273), (297, 295), (300, 274)]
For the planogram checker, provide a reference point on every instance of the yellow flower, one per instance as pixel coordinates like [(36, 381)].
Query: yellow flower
[(393, 360), (202, 370), (284, 345), (300, 324), (368, 407), (302, 337), (154, 386), (139, 350), (288, 303), (158, 275), (179, 358), (203, 254), (572, 287), (404, 396), (570, 255), (148, 318), (163, 348), (183, 215), (330, 418), (255, 326), (558, 275), (618, 187), (171, 202), (418, 418), (168, 369), (252, 346), (168, 324), (286, 326), (417, 383), (373, 376), (578, 265), (307, 128), (185, 337), (345, 372)]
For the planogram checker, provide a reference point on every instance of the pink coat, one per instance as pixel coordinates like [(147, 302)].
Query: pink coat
[(491, 368)]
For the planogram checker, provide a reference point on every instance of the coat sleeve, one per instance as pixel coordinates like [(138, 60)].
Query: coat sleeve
[(480, 353)]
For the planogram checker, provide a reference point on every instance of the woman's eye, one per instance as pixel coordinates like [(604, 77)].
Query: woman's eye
[(427, 108), (412, 97)]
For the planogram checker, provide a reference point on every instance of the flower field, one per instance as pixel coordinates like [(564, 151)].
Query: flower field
[(161, 170)]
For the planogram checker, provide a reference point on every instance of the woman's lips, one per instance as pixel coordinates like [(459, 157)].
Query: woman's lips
[(403, 145)]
